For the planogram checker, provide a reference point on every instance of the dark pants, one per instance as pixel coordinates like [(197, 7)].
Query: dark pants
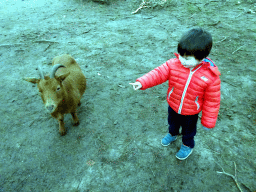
[(188, 124)]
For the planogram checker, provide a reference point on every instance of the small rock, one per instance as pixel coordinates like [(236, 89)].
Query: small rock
[(115, 122)]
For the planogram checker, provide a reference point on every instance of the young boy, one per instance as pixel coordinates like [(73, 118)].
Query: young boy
[(194, 86)]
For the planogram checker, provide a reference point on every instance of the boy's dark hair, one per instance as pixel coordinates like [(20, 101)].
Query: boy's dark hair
[(196, 42)]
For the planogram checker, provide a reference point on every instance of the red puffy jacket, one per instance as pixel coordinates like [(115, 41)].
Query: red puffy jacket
[(190, 90)]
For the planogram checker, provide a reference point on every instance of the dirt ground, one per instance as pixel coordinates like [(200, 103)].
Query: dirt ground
[(117, 146)]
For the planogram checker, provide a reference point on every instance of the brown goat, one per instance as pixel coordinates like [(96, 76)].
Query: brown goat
[(62, 91)]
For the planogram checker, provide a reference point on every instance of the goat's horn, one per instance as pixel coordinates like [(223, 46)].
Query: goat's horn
[(40, 72), (54, 69)]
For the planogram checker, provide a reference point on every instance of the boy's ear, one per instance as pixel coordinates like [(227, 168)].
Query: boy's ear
[(62, 77), (31, 79)]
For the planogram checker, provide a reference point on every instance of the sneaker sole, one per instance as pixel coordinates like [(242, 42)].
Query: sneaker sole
[(169, 143), (184, 157)]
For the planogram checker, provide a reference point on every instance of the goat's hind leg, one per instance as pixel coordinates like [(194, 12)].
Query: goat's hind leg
[(75, 118)]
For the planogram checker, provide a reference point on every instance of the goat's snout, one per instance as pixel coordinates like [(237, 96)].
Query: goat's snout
[(50, 108)]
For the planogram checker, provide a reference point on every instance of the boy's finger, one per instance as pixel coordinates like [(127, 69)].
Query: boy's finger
[(135, 86)]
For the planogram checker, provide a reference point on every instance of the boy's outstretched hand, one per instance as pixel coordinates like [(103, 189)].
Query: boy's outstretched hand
[(137, 85)]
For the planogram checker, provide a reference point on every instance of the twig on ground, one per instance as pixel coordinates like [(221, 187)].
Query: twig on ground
[(238, 15), (214, 24), (32, 122), (47, 47), (10, 45), (212, 149), (131, 141), (37, 119), (153, 3), (192, 15), (221, 40), (234, 177), (152, 172), (86, 31), (142, 5), (45, 41), (237, 49)]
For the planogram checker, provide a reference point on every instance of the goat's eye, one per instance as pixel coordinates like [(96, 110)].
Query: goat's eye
[(58, 88)]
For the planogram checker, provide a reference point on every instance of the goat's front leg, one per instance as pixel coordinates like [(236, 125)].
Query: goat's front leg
[(75, 118), (62, 130)]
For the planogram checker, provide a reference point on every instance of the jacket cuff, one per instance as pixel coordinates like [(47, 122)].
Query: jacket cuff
[(206, 128), (142, 88)]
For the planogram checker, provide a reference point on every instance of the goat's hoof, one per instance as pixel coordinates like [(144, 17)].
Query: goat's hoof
[(76, 123), (62, 132)]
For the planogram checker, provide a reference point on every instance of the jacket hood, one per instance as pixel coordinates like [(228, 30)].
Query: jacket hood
[(208, 63)]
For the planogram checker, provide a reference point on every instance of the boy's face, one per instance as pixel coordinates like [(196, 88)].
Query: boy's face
[(189, 61)]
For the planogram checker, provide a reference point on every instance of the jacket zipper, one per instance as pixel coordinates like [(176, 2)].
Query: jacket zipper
[(186, 87)]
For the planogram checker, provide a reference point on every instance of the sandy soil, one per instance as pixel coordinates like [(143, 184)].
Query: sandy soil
[(117, 145)]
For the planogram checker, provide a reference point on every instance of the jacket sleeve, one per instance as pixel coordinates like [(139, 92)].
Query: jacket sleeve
[(155, 77), (211, 104)]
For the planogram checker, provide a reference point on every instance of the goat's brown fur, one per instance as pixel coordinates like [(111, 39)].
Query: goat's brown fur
[(62, 93)]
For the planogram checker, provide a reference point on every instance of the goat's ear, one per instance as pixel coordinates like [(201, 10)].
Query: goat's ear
[(31, 80), (63, 77)]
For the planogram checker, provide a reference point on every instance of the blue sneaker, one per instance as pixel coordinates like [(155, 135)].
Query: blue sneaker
[(184, 152), (168, 139)]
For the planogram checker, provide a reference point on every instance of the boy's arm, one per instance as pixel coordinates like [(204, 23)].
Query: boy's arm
[(155, 77), (211, 104)]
